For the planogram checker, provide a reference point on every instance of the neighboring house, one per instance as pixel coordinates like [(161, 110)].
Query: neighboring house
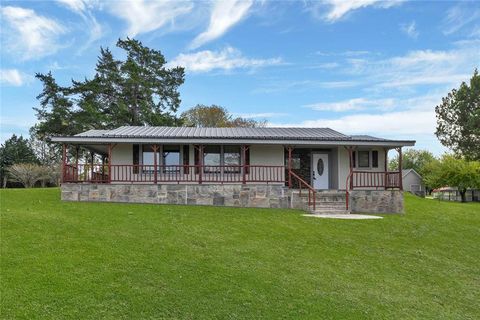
[(413, 182), (317, 169), (452, 194)]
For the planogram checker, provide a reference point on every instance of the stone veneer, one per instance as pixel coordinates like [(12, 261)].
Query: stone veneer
[(376, 201), (232, 195), (257, 196)]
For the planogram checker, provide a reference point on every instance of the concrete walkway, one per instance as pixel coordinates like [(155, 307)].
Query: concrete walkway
[(343, 216)]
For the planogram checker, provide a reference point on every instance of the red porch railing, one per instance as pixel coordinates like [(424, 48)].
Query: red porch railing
[(302, 184), (370, 179), (173, 173)]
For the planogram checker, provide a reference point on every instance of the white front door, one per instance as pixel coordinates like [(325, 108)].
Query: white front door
[(320, 170)]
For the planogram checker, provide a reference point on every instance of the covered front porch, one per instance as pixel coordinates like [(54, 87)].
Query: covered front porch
[(299, 167)]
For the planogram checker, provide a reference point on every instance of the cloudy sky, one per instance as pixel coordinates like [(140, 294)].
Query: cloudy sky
[(360, 67)]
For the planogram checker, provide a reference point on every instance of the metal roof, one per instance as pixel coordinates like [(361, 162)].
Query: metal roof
[(268, 135), (92, 133), (223, 133)]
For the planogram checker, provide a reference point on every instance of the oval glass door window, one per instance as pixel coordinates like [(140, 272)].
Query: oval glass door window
[(320, 167)]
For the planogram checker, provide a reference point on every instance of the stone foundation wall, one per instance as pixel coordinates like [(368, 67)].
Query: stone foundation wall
[(254, 196), (257, 196), (376, 201)]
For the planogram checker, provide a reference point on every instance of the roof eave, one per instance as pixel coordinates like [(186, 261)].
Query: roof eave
[(97, 140)]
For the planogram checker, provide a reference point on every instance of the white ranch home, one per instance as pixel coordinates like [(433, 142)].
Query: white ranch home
[(317, 169)]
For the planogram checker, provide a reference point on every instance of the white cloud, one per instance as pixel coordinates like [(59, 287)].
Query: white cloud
[(226, 59), (399, 122), (225, 14), (412, 116), (338, 9), (84, 9), (144, 16), (29, 35), (461, 17), (326, 65), (13, 77), (352, 105), (410, 29), (78, 6), (419, 67), (302, 85)]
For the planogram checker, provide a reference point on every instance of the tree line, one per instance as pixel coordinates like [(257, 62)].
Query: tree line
[(142, 90)]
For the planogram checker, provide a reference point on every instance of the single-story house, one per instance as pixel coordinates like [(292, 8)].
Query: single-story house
[(316, 169), (452, 194), (413, 182)]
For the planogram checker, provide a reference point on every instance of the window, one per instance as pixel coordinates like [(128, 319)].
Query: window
[(212, 157), (148, 159), (374, 159), (231, 158), (171, 158), (363, 159)]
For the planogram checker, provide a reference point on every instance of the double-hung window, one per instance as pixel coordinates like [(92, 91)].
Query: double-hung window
[(365, 159)]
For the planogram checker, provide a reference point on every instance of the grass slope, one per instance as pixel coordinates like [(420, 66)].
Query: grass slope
[(120, 261)]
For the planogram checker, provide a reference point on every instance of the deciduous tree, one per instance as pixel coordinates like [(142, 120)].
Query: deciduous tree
[(28, 173), (458, 119), (454, 172), (216, 116), (413, 159)]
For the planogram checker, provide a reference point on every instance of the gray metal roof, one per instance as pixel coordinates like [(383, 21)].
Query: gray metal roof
[(363, 137), (284, 135), (92, 133), (215, 133)]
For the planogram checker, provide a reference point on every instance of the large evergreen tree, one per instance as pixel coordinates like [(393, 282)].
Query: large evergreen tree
[(140, 90), (458, 119)]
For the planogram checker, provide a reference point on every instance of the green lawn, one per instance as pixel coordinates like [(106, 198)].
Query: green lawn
[(116, 261)]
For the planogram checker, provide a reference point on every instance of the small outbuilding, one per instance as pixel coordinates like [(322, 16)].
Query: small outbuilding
[(413, 182)]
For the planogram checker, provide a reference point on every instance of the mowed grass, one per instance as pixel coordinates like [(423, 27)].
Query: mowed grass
[(70, 260)]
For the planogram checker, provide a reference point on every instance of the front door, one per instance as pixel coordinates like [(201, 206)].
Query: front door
[(320, 170)]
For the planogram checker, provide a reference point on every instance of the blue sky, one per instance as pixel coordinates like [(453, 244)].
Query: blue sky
[(360, 67)]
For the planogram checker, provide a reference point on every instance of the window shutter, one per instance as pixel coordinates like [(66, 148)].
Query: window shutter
[(354, 155), (247, 160), (375, 159), (186, 155), (196, 159), (186, 159), (136, 157)]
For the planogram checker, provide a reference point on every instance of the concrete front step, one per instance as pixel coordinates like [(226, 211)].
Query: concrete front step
[(330, 203), (332, 211)]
